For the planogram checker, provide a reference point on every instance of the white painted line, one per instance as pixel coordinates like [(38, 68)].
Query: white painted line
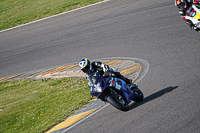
[(54, 16), (84, 118)]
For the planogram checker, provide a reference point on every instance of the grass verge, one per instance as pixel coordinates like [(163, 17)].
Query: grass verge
[(16, 12), (34, 106)]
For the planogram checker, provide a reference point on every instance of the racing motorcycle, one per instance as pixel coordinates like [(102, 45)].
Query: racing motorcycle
[(115, 91), (193, 15)]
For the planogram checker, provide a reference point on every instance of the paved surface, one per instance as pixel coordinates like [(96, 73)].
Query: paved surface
[(149, 30)]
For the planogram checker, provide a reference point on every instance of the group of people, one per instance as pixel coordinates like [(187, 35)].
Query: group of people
[(184, 6)]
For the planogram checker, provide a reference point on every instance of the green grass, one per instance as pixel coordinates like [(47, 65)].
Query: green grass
[(34, 106), (16, 12)]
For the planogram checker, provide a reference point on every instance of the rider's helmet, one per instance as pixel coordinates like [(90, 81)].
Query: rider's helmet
[(179, 4), (85, 65)]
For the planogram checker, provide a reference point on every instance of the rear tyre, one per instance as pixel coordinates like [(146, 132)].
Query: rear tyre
[(117, 104), (138, 95)]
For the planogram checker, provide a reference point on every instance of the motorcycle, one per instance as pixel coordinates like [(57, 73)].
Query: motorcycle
[(115, 91), (193, 15)]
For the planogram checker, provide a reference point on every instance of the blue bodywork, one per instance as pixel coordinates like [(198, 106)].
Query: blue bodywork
[(103, 83)]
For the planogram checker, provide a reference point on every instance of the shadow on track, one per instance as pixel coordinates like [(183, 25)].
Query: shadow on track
[(152, 97)]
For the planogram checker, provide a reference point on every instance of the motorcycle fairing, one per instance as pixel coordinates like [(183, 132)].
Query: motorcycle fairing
[(121, 85), (197, 16), (104, 82)]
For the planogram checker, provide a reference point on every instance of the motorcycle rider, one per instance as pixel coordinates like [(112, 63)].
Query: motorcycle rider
[(90, 68), (183, 6)]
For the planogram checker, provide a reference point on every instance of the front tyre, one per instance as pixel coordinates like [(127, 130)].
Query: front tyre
[(123, 106)]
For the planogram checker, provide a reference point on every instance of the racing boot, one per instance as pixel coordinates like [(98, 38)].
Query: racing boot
[(126, 80), (130, 84)]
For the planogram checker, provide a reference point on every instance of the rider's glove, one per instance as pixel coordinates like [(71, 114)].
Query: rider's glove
[(193, 27), (181, 13), (106, 73), (190, 24)]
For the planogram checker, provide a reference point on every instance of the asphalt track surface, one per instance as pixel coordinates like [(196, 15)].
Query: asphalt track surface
[(149, 30)]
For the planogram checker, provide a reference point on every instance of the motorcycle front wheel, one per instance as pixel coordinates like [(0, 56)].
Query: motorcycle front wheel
[(116, 103)]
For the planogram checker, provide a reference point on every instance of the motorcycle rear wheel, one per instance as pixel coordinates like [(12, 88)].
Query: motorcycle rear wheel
[(117, 104), (138, 95)]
